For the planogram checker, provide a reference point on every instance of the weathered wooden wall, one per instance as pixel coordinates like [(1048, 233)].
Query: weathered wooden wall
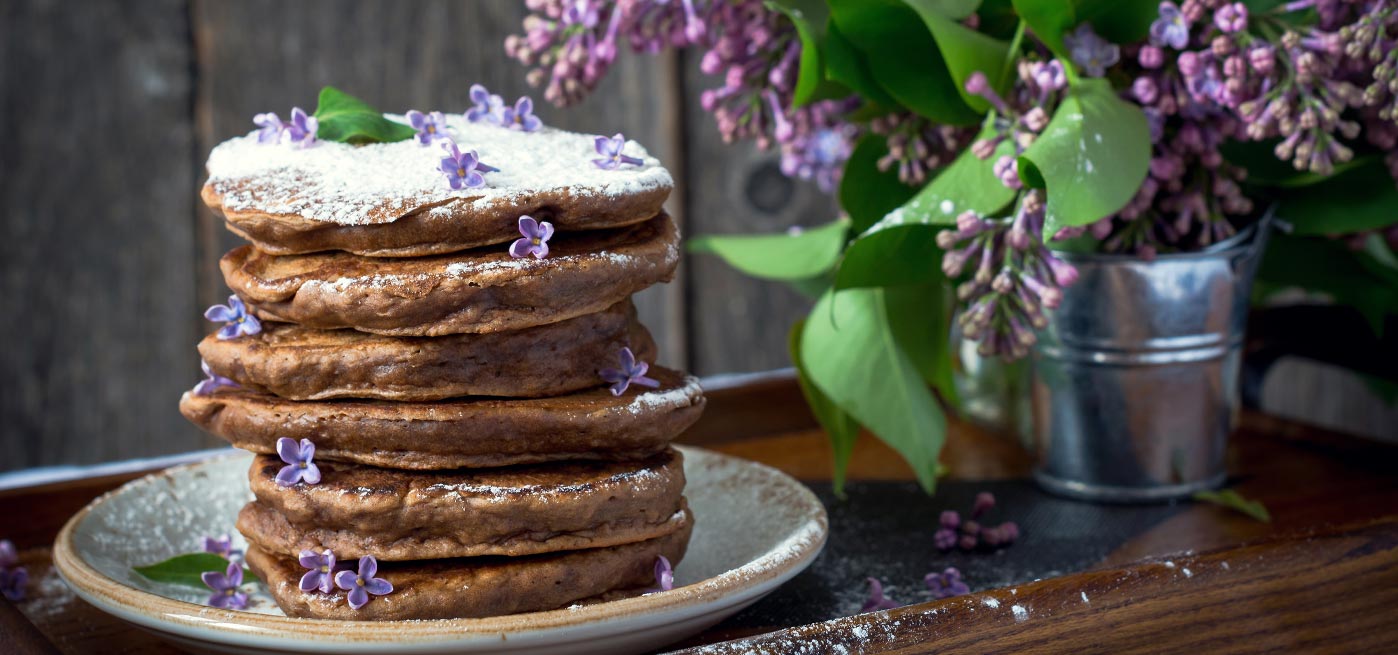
[(107, 258)]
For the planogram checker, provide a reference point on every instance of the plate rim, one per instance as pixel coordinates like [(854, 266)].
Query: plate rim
[(792, 555)]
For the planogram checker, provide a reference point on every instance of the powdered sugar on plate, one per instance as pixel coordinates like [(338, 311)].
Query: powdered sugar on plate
[(379, 183)]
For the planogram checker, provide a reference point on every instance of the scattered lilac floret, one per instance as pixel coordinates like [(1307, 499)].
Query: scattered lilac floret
[(211, 381), (521, 116), (1090, 52), (946, 584), (9, 557), (13, 583), (363, 583), (301, 129), (950, 519), (535, 239), (237, 320), (944, 539), (489, 106), (611, 151), (664, 575), (985, 501), (269, 126), (1171, 28), (225, 587), (299, 467), (876, 600), (463, 169), (429, 126), (631, 372), (321, 573), (221, 545)]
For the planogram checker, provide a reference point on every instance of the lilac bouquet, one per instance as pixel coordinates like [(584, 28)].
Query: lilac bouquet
[(970, 142)]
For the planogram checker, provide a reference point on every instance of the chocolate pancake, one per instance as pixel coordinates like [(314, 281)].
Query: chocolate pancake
[(477, 587), (391, 199), (462, 433), (399, 515), (309, 364), (478, 291)]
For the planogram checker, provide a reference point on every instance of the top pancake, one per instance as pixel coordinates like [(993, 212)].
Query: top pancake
[(391, 199)]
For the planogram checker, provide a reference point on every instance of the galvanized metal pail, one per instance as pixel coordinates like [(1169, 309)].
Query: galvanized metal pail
[(1136, 376)]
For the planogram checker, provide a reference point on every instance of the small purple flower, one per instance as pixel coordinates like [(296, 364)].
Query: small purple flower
[(361, 584), (225, 587), (270, 127), (429, 126), (1007, 169), (1171, 28), (211, 381), (950, 519), (535, 240), (631, 372), (521, 116), (301, 130), (1091, 52), (9, 557), (1232, 18), (463, 169), (876, 600), (299, 466), (489, 107), (610, 149), (985, 501), (13, 582), (664, 575), (1048, 76), (1151, 57), (945, 539), (238, 321), (322, 571), (946, 584), (221, 545)]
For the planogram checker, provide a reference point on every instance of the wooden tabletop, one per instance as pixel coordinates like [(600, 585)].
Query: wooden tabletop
[(1321, 577)]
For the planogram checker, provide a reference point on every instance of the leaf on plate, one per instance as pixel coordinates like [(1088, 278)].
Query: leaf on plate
[(186, 569), (348, 119)]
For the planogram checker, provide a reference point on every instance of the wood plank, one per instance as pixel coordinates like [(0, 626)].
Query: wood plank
[(269, 55), (96, 241), (1331, 592), (738, 323)]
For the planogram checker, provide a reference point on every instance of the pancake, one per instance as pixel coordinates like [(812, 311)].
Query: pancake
[(477, 587), (391, 200), (302, 363), (462, 433), (479, 291), (399, 515)]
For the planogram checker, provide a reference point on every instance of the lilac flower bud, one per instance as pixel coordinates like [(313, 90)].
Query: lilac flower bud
[(970, 528), (1064, 274), (969, 223), (977, 84), (1232, 18), (1189, 64), (950, 519), (968, 542), (1035, 119), (1151, 57), (984, 148), (1003, 282), (1007, 169), (985, 501), (1222, 46), (1145, 90), (944, 539)]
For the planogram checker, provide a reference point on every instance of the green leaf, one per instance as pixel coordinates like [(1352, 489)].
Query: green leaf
[(920, 317), (792, 256), (968, 183), (1264, 169), (1232, 500), (1049, 19), (1370, 200), (867, 193), (965, 50), (852, 355), (840, 427), (902, 57), (348, 119), (845, 65), (186, 569), (901, 255), (1092, 156), (1328, 266), (810, 18), (1118, 21)]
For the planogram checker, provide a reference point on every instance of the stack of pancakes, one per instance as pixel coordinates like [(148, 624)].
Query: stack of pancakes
[(464, 434)]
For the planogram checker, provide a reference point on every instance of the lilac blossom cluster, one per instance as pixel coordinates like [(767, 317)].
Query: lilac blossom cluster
[(916, 146), (969, 534)]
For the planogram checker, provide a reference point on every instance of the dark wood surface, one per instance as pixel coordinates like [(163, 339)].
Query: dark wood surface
[(1321, 577)]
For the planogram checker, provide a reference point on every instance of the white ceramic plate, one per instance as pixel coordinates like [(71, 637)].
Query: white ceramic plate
[(755, 528)]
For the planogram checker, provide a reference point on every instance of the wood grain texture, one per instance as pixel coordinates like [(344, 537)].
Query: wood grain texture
[(738, 323), (96, 234), (268, 55)]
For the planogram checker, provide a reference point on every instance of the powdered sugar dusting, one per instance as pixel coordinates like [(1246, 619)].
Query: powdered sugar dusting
[(664, 399), (379, 183)]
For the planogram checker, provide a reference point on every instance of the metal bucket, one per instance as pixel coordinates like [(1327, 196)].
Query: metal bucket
[(1136, 376)]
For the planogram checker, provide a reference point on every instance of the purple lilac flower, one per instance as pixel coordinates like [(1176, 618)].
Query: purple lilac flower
[(950, 519), (270, 127), (611, 151), (1007, 169), (985, 501), (13, 583), (945, 539), (946, 584), (360, 585), (569, 45), (221, 545), (301, 129), (489, 107), (664, 574), (238, 321), (429, 126), (535, 240), (321, 571), (463, 169), (876, 600), (9, 557), (1000, 535), (225, 587), (916, 146), (299, 466), (631, 372), (1090, 52), (1231, 18), (521, 116), (1171, 28), (211, 381)]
